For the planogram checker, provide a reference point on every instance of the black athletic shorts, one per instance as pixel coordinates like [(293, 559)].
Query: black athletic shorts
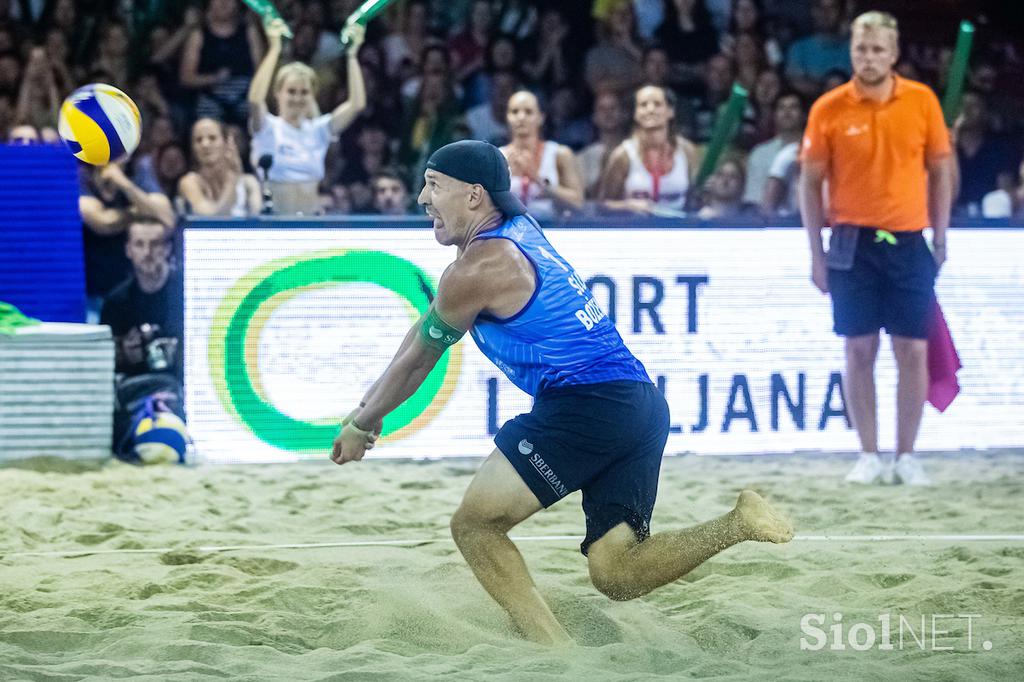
[(604, 439), (890, 286)]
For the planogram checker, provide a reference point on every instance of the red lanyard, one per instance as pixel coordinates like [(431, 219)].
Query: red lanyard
[(524, 192), (657, 171)]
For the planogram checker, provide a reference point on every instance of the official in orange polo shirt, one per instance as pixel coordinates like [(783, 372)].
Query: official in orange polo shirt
[(881, 142)]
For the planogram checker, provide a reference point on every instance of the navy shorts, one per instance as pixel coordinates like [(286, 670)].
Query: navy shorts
[(890, 286), (604, 439)]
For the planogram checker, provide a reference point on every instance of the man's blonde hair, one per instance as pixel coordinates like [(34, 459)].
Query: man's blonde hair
[(872, 20), (302, 71)]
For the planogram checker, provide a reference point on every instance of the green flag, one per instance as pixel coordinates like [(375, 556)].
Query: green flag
[(268, 12), (957, 69), (366, 11), (726, 127)]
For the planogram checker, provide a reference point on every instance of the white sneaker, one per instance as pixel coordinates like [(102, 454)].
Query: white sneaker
[(868, 469), (910, 472)]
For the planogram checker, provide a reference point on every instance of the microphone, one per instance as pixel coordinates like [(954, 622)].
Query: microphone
[(265, 162)]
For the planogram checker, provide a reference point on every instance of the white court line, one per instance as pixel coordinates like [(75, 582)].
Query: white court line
[(911, 538), (525, 538)]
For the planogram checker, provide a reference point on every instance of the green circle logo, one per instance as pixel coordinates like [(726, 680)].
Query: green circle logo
[(248, 305)]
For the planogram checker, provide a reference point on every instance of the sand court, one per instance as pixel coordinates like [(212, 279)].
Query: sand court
[(313, 572)]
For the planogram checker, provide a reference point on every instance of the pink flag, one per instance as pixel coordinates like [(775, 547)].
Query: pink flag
[(943, 362)]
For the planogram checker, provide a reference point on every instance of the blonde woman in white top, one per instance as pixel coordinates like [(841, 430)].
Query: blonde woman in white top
[(217, 186), (653, 168), (545, 176), (298, 136)]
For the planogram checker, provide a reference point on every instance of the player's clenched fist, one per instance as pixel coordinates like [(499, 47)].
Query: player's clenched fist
[(352, 442)]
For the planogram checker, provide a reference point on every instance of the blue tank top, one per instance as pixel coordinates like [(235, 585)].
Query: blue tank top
[(561, 337)]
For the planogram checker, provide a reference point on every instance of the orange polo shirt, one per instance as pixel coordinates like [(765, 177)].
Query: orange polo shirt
[(876, 152)]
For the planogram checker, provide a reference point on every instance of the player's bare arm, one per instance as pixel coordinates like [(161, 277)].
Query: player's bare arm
[(483, 279)]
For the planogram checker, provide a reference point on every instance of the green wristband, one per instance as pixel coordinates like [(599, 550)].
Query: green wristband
[(437, 333)]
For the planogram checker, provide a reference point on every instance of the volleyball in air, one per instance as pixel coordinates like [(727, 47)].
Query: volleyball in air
[(161, 439), (99, 124)]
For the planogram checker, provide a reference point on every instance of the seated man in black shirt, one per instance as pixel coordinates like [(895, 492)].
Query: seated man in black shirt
[(146, 312)]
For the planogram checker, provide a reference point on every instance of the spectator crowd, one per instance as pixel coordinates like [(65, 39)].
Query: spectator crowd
[(430, 72), (602, 105)]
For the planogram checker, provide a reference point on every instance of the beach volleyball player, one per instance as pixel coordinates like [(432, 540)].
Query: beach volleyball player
[(598, 424)]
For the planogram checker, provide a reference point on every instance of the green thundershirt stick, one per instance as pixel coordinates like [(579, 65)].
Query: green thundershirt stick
[(367, 11), (268, 12), (957, 68), (726, 127)]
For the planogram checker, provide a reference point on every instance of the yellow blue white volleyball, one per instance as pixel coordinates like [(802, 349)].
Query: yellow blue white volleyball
[(161, 439), (99, 124)]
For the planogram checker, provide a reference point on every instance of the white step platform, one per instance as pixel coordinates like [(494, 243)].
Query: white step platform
[(56, 391)]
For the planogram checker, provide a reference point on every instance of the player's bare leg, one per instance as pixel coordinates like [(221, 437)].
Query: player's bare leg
[(497, 500), (623, 568)]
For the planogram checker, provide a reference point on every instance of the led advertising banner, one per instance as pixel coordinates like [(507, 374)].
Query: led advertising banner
[(286, 328)]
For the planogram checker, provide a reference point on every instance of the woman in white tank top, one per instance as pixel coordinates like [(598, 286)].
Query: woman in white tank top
[(217, 186), (651, 171), (298, 136), (544, 173)]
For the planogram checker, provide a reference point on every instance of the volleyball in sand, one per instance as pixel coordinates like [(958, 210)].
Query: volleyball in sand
[(161, 439)]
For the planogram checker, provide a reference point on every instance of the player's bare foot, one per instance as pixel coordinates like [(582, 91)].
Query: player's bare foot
[(759, 521)]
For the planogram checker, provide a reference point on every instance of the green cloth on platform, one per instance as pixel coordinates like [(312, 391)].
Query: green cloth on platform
[(11, 319)]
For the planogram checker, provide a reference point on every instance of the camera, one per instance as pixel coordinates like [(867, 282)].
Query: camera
[(158, 356)]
